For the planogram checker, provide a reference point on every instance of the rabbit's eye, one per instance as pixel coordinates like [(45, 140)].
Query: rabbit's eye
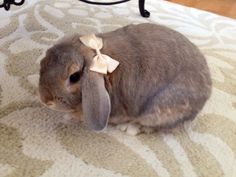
[(75, 77)]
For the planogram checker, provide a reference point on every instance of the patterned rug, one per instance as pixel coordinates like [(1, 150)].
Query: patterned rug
[(35, 141)]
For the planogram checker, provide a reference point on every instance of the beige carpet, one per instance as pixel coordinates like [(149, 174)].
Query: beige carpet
[(35, 141)]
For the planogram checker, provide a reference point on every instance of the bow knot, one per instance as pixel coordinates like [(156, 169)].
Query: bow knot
[(101, 63)]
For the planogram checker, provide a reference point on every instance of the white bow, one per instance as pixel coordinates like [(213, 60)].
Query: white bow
[(101, 63)]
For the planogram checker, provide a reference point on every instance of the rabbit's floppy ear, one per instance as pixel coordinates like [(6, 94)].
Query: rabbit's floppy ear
[(95, 98), (95, 101)]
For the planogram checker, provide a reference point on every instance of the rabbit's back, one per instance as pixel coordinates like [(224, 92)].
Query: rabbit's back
[(153, 48)]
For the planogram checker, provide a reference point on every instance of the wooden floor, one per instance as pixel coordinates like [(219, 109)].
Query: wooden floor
[(221, 7)]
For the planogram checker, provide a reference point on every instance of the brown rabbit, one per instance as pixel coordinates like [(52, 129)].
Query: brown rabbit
[(162, 79)]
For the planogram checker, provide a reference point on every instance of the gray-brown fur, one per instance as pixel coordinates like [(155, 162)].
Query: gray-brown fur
[(162, 78)]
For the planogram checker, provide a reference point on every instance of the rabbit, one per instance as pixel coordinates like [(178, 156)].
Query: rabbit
[(162, 79)]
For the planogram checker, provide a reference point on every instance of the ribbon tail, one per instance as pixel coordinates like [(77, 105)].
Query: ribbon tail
[(111, 63)]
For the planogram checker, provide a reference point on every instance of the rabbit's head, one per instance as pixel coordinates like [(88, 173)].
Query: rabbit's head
[(66, 84)]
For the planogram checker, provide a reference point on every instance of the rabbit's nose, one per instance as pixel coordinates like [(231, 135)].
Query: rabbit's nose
[(50, 104)]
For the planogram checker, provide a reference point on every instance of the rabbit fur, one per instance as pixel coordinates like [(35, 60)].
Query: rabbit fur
[(162, 79)]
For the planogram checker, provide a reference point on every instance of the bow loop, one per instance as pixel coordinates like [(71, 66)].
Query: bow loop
[(101, 63)]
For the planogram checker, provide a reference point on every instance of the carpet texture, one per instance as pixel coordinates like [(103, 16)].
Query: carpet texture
[(35, 141)]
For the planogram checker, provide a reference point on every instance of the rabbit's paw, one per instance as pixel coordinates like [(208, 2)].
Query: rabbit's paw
[(122, 127), (130, 128)]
